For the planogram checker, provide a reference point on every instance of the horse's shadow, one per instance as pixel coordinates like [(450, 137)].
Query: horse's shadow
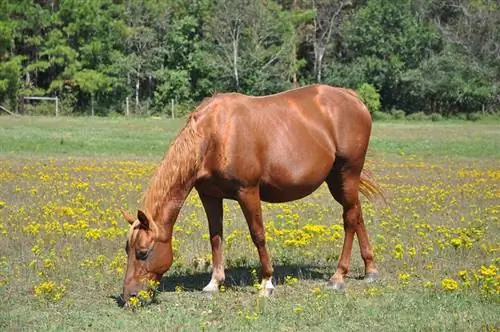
[(243, 276)]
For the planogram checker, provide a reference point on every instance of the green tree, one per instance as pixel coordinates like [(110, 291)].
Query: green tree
[(450, 84), (370, 96), (381, 42), (471, 32), (298, 16), (96, 32), (92, 83), (430, 55), (10, 64), (251, 52)]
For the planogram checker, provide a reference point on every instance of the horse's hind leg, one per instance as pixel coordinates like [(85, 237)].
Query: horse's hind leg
[(213, 209), (343, 183)]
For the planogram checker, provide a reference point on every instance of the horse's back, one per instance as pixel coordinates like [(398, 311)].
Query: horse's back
[(335, 117)]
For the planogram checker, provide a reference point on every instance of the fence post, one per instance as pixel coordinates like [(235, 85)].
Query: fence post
[(21, 105)]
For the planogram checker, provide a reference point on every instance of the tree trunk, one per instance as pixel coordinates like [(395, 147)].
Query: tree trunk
[(327, 18), (319, 52), (235, 61), (294, 66), (92, 103), (21, 105), (137, 85)]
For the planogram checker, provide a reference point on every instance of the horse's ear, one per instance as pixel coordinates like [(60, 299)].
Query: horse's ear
[(128, 217), (143, 219)]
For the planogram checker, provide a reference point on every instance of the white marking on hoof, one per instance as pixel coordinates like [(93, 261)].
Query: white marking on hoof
[(212, 287), (336, 286), (267, 287)]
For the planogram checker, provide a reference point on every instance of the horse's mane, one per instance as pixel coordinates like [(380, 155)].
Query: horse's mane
[(177, 167)]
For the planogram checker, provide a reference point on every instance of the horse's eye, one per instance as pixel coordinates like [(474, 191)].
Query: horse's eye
[(141, 255)]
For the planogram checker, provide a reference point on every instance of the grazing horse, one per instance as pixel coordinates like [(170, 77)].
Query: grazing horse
[(276, 148)]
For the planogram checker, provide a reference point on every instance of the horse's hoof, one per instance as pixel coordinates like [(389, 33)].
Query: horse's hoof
[(211, 288), (266, 292), (267, 287), (338, 286), (371, 277)]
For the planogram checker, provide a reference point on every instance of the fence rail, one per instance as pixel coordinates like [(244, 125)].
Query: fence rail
[(6, 110)]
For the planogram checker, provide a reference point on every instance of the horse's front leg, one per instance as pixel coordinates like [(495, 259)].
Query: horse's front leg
[(213, 209), (249, 200)]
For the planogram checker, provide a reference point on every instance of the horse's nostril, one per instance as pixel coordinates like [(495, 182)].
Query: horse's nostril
[(133, 294)]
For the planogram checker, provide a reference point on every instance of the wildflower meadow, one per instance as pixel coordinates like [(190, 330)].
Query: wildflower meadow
[(62, 258)]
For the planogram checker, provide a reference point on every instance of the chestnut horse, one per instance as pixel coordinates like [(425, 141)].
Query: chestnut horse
[(276, 148)]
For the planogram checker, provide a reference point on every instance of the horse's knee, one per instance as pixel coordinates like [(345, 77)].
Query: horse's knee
[(216, 241), (352, 217), (259, 239)]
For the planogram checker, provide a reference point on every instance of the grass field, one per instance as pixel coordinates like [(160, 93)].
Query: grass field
[(63, 181)]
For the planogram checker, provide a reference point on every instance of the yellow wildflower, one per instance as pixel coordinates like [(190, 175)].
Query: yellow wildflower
[(449, 284)]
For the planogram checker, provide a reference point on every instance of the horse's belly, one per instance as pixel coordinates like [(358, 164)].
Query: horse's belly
[(273, 194), (295, 178), (268, 192)]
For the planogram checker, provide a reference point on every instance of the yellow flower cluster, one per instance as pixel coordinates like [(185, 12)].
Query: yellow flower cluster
[(449, 284), (291, 280), (50, 290)]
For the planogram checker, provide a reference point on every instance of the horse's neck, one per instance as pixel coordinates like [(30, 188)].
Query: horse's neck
[(174, 204), (165, 210), (174, 178)]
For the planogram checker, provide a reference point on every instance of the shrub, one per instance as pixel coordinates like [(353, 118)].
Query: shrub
[(474, 116), (398, 114), (418, 116), (40, 108), (369, 96), (436, 117), (495, 116), (381, 116)]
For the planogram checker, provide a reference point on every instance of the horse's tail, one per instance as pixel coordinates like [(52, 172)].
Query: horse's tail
[(370, 189)]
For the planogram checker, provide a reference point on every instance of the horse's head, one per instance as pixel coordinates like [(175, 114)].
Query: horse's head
[(149, 254)]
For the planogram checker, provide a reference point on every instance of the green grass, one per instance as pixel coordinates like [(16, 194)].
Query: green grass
[(150, 137), (241, 310), (86, 136), (437, 139), (62, 180)]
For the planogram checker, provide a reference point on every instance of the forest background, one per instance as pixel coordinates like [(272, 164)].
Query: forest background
[(105, 57)]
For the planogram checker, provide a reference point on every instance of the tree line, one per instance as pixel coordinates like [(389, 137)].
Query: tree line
[(106, 56)]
